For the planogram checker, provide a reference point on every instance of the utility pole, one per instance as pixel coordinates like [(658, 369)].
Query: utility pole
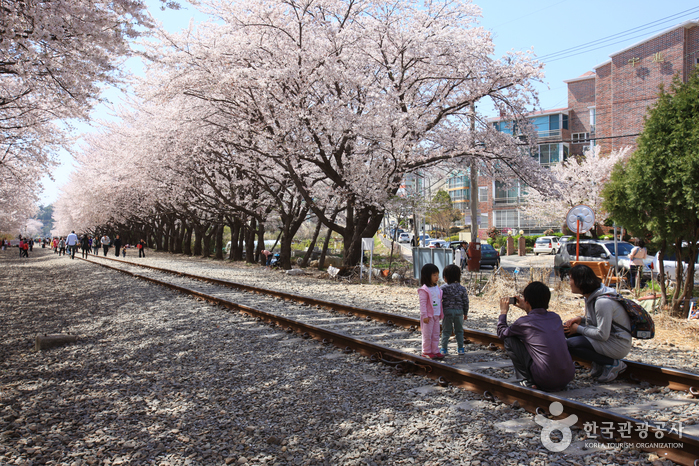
[(474, 181)]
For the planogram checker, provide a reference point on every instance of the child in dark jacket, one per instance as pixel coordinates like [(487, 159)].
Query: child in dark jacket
[(455, 305)]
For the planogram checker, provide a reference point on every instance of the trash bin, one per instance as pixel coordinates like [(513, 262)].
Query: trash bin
[(474, 256)]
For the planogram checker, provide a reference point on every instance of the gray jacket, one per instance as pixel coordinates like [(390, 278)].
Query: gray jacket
[(455, 297), (607, 339)]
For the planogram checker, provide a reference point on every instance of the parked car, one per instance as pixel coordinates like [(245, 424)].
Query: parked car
[(423, 238), (597, 250), (489, 256), (404, 237), (546, 245), (455, 244), (670, 265), (397, 232), (565, 239), (437, 243)]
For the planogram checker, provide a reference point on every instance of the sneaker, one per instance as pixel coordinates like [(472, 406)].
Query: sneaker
[(461, 351), (443, 351), (427, 355), (526, 383), (611, 372), (438, 355), (596, 370)]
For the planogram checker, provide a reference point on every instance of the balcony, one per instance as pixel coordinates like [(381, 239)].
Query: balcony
[(503, 201), (550, 134)]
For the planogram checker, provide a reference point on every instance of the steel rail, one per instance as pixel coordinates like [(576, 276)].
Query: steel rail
[(684, 449), (674, 379)]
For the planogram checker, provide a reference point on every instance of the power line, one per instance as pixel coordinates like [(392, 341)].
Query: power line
[(634, 30)]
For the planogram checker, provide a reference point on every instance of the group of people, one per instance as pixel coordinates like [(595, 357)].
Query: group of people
[(540, 345), (25, 245), (89, 243)]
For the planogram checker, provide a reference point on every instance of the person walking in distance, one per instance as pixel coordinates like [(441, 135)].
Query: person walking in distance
[(72, 243), (141, 246), (61, 247), (117, 245), (105, 243), (430, 311), (455, 303), (96, 245), (85, 245)]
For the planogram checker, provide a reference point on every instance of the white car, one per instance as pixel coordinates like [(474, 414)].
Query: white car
[(436, 243), (404, 237), (670, 265), (546, 245)]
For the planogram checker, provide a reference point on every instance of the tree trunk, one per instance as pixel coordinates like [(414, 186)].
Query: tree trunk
[(187, 240), (309, 251), (324, 251), (250, 242), (179, 235), (218, 243), (260, 242), (158, 237), (364, 225), (211, 231), (199, 231), (661, 274), (235, 253)]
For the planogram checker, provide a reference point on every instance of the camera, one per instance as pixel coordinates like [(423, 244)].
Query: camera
[(513, 300)]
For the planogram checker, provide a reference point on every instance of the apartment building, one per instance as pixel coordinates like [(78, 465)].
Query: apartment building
[(606, 106)]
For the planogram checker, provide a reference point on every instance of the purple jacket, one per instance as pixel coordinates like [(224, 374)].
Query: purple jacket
[(541, 332)]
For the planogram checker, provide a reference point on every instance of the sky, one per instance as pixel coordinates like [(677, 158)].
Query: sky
[(555, 29)]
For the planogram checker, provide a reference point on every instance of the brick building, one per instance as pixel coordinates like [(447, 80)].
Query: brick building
[(605, 107)]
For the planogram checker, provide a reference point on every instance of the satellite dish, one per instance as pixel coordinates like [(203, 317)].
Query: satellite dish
[(584, 214)]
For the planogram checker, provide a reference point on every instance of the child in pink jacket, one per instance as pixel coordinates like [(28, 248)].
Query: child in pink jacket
[(430, 311)]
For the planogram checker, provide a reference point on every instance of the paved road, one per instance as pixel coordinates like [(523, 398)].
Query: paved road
[(506, 262)]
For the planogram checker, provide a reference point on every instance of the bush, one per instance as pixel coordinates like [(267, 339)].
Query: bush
[(493, 233)]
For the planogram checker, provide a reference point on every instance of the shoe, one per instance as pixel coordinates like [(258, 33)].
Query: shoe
[(462, 351), (596, 370), (427, 355), (526, 383), (443, 351), (611, 372), (437, 356)]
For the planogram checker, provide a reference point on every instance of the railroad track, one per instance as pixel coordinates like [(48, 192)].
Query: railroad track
[(393, 340)]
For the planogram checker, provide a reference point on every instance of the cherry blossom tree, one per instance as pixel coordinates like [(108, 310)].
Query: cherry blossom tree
[(576, 181), (54, 56), (346, 97)]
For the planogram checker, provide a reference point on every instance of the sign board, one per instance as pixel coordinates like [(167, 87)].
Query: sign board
[(367, 244)]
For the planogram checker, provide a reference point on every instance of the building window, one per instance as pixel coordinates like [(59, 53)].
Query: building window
[(457, 181), (548, 154), (460, 195), (593, 119), (483, 221), (505, 219), (505, 194), (579, 138), (564, 119), (482, 194)]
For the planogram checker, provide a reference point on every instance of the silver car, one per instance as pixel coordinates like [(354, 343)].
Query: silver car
[(546, 245)]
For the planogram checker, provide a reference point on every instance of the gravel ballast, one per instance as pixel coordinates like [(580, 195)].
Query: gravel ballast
[(159, 378)]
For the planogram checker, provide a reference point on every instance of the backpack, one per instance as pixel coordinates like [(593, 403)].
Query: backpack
[(642, 325)]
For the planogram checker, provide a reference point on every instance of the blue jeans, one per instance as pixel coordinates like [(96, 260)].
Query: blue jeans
[(453, 321)]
